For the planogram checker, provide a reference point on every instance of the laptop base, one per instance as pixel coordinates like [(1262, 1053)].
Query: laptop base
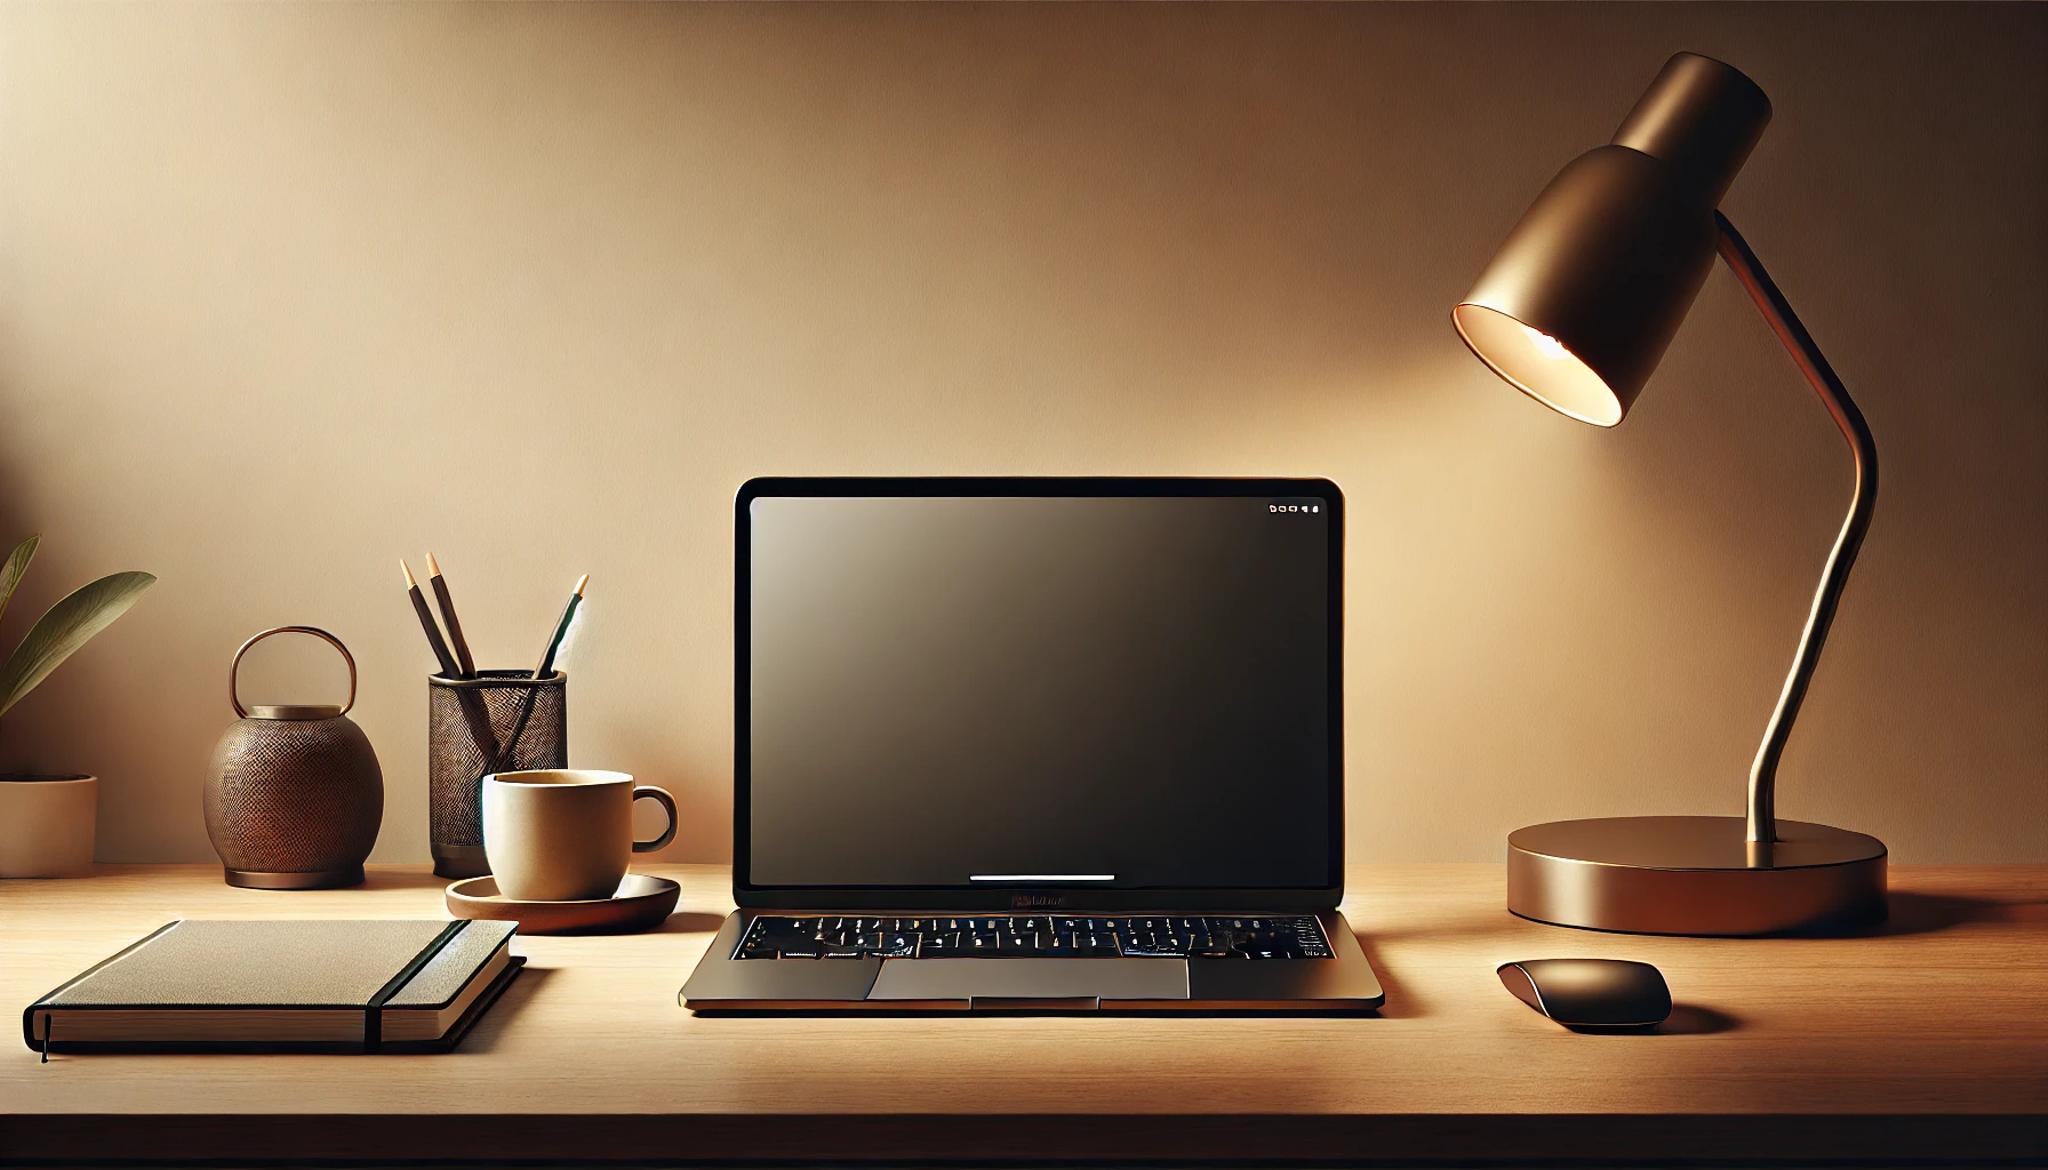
[(1344, 983)]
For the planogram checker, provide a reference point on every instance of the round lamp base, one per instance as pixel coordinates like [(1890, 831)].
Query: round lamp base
[(1694, 875)]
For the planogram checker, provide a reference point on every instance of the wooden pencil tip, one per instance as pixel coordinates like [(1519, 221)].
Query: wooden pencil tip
[(433, 566), (407, 569), (581, 582)]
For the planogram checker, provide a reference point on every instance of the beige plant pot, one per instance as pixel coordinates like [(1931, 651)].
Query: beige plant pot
[(46, 825)]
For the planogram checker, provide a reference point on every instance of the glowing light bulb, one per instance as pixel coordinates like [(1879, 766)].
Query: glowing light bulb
[(1547, 345)]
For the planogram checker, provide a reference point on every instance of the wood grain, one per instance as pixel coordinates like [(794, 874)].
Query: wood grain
[(1928, 1039)]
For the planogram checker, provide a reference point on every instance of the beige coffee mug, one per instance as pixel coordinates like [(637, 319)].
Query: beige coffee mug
[(565, 834)]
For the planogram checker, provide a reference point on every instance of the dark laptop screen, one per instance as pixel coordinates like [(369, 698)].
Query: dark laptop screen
[(1048, 692)]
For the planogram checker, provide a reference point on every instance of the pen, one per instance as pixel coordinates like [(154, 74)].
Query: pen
[(419, 605), (446, 601), (547, 664), (547, 659)]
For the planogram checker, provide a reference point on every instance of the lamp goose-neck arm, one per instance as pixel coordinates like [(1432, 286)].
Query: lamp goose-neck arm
[(1763, 773)]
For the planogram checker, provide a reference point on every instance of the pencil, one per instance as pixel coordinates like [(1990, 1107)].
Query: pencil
[(547, 659), (446, 601), (419, 606), (547, 664)]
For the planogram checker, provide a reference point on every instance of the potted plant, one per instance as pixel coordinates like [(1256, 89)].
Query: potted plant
[(46, 822)]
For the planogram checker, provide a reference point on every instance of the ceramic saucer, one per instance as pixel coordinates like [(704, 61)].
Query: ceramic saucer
[(641, 903)]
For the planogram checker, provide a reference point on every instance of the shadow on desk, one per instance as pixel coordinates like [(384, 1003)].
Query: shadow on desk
[(1691, 1019), (1917, 913), (691, 922), (406, 879), (1400, 1003), (483, 1037)]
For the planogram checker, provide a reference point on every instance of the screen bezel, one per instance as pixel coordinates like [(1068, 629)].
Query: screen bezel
[(748, 894)]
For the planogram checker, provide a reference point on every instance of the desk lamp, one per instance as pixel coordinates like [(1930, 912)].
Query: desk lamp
[(1575, 310)]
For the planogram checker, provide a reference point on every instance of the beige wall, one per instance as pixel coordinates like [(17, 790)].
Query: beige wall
[(289, 291)]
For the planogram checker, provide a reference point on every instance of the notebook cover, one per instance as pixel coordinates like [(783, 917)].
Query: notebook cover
[(343, 966)]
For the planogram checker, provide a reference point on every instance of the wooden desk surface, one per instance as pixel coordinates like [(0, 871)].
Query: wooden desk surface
[(1928, 1040)]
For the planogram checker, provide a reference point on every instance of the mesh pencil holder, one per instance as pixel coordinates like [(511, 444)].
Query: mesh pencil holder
[(500, 721)]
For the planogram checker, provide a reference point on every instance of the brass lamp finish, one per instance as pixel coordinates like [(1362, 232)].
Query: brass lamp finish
[(1575, 310), (1693, 875), (1582, 298)]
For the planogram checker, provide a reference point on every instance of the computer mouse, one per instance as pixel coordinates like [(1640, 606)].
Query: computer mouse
[(1590, 993)]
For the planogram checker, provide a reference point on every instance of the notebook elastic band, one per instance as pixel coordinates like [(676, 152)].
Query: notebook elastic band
[(373, 1012)]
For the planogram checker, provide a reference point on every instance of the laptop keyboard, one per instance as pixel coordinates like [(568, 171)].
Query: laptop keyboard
[(1020, 936)]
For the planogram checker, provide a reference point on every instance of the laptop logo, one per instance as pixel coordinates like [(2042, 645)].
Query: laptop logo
[(1041, 877), (1021, 900)]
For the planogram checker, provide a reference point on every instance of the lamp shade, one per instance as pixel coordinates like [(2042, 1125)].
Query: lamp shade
[(1582, 298)]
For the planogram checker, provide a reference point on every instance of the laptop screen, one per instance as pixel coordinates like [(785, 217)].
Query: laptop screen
[(1014, 686)]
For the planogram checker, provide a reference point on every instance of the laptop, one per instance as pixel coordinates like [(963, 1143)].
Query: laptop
[(1037, 745)]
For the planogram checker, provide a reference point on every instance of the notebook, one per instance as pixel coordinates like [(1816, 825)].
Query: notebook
[(282, 986)]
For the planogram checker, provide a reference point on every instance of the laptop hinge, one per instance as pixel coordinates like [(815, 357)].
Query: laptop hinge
[(1034, 1003)]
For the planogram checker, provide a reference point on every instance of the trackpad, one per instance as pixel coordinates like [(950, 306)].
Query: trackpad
[(996, 983)]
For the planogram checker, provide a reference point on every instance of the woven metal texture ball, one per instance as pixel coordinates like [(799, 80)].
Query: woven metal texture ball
[(459, 749), (294, 795)]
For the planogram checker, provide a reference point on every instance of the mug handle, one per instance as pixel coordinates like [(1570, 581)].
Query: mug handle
[(650, 792)]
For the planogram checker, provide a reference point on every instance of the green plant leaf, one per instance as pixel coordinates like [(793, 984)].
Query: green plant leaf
[(16, 567), (69, 625)]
